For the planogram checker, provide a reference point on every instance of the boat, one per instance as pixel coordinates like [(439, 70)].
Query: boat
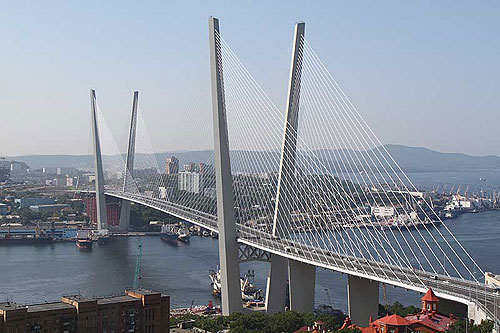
[(9, 239), (169, 233), (40, 237), (84, 240), (249, 291), (101, 236), (183, 234), (175, 233)]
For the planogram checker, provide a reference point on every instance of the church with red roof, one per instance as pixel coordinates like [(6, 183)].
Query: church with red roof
[(428, 320)]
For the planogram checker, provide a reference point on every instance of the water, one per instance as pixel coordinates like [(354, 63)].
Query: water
[(34, 274), (43, 273)]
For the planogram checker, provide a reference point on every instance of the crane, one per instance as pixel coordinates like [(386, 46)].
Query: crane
[(328, 297), (137, 274)]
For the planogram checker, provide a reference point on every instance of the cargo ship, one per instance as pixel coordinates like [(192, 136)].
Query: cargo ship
[(40, 237), (84, 240)]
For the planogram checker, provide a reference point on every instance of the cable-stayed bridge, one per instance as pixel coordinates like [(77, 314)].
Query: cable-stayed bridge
[(310, 187)]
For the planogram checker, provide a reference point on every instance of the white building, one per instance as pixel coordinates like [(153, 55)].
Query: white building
[(190, 182), (382, 211), (165, 192)]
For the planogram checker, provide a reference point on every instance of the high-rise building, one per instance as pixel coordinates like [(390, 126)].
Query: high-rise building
[(172, 165), (191, 167), (190, 182)]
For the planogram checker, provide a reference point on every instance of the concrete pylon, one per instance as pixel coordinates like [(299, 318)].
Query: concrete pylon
[(100, 197), (228, 247), (362, 299), (276, 284), (302, 279), (286, 176), (277, 278), (129, 165)]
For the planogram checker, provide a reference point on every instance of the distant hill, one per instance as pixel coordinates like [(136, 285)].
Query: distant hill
[(423, 159), (411, 159)]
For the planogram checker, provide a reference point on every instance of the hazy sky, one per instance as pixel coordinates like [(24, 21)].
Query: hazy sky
[(422, 73)]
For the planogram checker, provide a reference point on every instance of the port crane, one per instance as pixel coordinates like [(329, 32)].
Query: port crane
[(137, 273)]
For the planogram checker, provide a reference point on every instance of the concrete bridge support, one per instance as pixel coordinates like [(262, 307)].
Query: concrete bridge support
[(226, 220), (129, 166), (448, 307), (100, 197), (302, 283), (276, 284), (474, 312), (286, 176), (362, 299)]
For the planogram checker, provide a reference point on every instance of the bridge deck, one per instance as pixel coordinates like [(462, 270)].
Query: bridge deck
[(459, 290)]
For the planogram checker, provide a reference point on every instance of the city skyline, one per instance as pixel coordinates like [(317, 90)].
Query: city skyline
[(415, 71)]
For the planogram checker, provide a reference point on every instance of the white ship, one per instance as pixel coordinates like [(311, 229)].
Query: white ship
[(248, 290)]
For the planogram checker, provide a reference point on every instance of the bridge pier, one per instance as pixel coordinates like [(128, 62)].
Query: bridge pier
[(129, 165), (302, 278), (448, 307), (100, 197), (362, 300), (226, 219), (474, 312), (276, 284)]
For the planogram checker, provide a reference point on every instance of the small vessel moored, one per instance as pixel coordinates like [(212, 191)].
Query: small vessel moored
[(84, 240), (183, 234), (174, 233)]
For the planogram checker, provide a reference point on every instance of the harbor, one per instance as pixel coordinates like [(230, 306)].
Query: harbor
[(183, 271)]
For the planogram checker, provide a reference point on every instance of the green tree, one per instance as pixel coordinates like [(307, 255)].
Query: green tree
[(460, 326)]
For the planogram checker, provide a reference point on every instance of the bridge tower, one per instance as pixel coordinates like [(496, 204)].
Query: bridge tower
[(99, 174), (129, 165), (301, 276), (226, 220)]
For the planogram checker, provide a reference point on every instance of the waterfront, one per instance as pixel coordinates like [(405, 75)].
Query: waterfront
[(33, 274)]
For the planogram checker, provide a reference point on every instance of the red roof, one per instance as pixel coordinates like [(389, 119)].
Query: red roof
[(393, 320), (429, 296), (436, 321)]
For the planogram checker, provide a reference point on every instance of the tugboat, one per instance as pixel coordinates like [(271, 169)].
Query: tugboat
[(84, 240)]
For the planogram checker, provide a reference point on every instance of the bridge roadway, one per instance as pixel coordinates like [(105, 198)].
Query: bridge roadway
[(459, 290)]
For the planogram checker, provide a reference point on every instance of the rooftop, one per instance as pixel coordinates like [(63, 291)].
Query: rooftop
[(433, 320), (393, 320), (49, 306), (430, 296), (116, 299), (10, 306)]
